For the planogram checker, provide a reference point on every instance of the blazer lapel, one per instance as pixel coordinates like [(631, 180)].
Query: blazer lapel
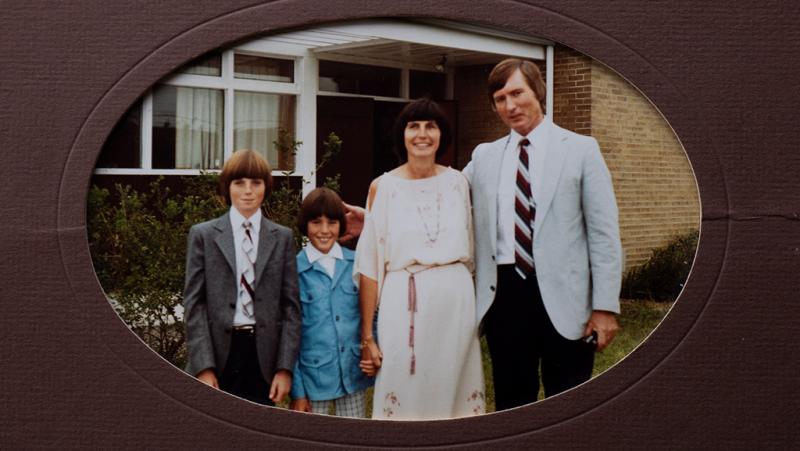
[(266, 245), (224, 240), (553, 162)]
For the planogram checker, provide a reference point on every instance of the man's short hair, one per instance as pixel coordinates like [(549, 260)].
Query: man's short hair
[(244, 163), (321, 201), (421, 110), (506, 68)]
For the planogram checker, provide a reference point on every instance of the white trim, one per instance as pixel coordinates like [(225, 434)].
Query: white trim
[(146, 132), (420, 33), (306, 121), (227, 99)]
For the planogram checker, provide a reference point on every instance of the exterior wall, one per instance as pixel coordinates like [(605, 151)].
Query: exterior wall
[(653, 181), (477, 122)]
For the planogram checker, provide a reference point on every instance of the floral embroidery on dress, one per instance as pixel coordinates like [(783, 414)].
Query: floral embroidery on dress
[(478, 397), (390, 398)]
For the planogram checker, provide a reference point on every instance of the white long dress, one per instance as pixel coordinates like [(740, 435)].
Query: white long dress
[(423, 226)]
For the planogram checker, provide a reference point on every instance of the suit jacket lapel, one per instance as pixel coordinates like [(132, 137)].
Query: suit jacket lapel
[(553, 162), (224, 240), (266, 245)]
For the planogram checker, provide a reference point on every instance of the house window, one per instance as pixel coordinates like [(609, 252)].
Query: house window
[(195, 118), (187, 128), (258, 119), (210, 64), (262, 68)]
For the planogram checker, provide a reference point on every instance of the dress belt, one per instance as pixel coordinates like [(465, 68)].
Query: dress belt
[(412, 305)]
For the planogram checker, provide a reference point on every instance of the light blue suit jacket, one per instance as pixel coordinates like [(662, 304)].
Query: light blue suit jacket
[(576, 245), (327, 367)]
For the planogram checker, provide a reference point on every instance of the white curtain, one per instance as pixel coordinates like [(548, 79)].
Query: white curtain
[(198, 128), (256, 122)]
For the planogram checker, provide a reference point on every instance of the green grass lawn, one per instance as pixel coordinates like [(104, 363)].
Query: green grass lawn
[(637, 321)]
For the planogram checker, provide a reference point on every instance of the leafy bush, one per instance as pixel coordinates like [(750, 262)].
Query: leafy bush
[(662, 277), (138, 245)]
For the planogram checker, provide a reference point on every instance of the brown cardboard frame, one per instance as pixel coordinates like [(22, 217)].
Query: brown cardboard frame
[(73, 375)]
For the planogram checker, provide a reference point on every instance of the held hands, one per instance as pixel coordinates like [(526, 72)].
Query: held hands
[(281, 384), (371, 357), (605, 324), (300, 405)]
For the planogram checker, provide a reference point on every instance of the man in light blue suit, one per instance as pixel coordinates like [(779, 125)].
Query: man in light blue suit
[(547, 247)]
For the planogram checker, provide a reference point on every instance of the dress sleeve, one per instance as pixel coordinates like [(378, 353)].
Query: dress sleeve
[(369, 259), (463, 189)]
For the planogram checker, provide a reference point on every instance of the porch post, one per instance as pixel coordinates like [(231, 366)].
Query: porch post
[(549, 82)]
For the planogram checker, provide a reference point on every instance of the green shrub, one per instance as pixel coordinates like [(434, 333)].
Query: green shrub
[(662, 277), (138, 245)]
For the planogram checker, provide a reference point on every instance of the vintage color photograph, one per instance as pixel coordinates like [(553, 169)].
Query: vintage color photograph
[(393, 219)]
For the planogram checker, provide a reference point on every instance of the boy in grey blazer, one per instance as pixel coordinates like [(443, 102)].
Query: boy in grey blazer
[(242, 311)]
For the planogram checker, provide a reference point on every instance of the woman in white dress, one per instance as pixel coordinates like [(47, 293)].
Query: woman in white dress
[(414, 261)]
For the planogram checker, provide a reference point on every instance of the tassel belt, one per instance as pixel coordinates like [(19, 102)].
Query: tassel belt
[(412, 271)]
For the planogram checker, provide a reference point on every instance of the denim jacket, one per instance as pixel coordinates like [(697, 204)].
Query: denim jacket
[(327, 366)]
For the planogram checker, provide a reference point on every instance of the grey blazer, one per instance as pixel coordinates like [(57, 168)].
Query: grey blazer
[(576, 245), (210, 291)]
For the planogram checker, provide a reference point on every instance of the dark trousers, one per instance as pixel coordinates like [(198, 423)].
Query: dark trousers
[(520, 336), (242, 375)]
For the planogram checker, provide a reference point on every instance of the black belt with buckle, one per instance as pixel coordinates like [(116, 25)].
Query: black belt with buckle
[(248, 329)]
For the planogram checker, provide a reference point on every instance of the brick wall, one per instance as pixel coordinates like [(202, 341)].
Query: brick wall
[(572, 90), (655, 187)]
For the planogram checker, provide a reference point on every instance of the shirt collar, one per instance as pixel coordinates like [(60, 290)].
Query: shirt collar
[(537, 136), (314, 254), (237, 219)]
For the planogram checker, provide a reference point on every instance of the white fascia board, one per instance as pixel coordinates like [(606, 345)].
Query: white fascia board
[(273, 45), (442, 37)]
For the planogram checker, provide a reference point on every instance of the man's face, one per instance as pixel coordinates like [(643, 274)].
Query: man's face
[(517, 105), (247, 195)]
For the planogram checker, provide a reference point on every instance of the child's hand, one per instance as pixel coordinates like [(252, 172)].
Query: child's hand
[(281, 384), (371, 358), (300, 405)]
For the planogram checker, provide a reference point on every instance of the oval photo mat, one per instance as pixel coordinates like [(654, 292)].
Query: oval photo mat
[(118, 391)]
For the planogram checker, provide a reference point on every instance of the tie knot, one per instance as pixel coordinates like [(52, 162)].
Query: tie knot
[(524, 142), (247, 225)]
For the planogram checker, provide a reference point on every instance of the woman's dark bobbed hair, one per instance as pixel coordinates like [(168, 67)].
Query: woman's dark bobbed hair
[(421, 110)]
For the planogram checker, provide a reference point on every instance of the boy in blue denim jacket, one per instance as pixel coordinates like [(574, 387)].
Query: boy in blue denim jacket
[(327, 370)]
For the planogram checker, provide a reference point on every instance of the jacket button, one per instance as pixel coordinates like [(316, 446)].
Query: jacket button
[(491, 287), (316, 360), (492, 257), (233, 305), (342, 349), (337, 317)]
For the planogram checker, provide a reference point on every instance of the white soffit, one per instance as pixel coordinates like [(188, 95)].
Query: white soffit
[(404, 41)]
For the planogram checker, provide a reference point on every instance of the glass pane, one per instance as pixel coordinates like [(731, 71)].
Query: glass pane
[(260, 120), (123, 147), (187, 128), (261, 68), (427, 84), (359, 79), (208, 64)]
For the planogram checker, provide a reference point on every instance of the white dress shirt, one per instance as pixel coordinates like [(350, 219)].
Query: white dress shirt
[(506, 190), (239, 317)]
